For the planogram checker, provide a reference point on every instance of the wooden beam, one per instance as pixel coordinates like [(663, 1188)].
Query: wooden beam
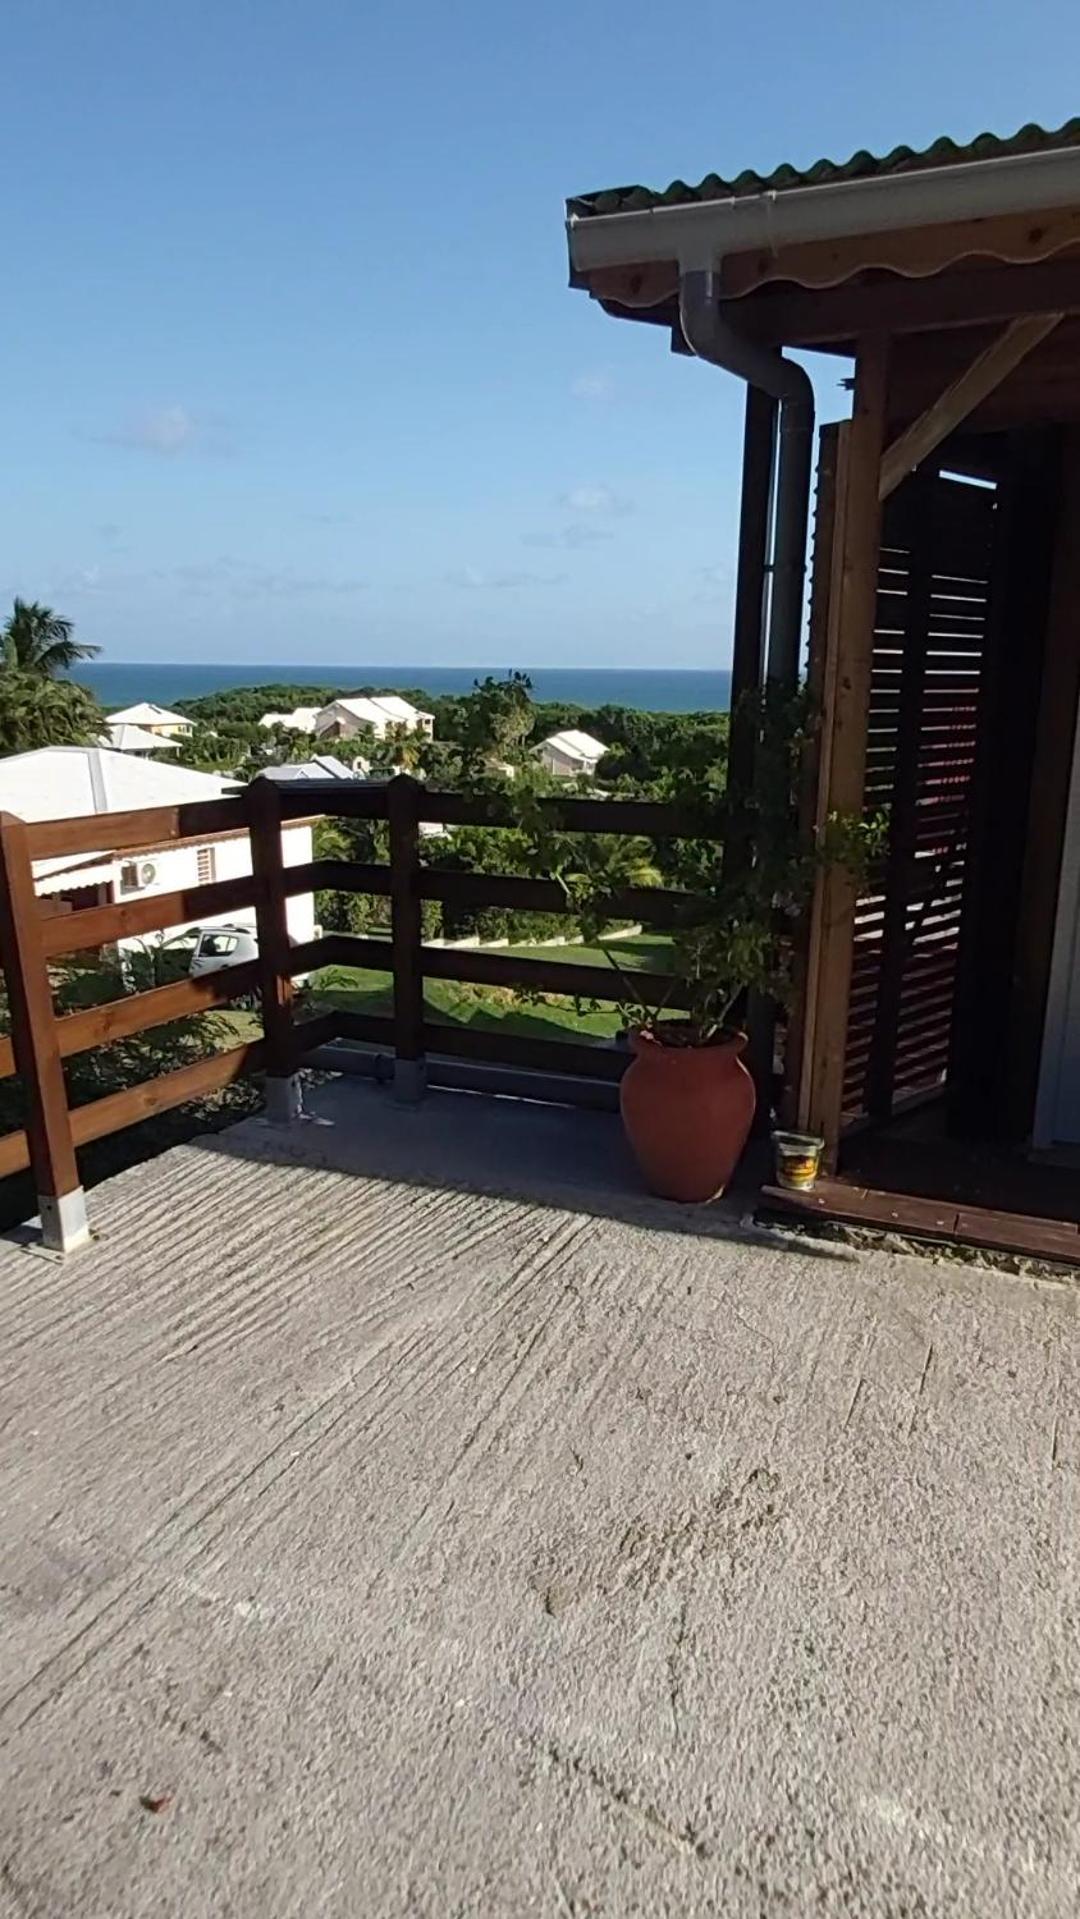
[(977, 296), (1012, 237), (849, 642), (33, 1026), (403, 805), (275, 977), (116, 832), (94, 926), (961, 397)]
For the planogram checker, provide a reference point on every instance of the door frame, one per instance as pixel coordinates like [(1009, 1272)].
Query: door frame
[(1064, 955)]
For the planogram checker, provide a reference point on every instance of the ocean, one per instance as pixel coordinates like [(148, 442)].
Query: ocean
[(120, 683)]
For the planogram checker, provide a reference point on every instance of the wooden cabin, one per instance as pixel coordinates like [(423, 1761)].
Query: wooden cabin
[(937, 1045)]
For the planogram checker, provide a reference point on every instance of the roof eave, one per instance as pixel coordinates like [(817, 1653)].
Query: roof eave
[(698, 235)]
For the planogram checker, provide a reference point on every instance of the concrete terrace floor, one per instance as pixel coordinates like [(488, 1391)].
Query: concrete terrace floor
[(373, 1545)]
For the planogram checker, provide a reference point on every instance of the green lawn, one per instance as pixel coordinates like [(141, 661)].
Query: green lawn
[(496, 1008)]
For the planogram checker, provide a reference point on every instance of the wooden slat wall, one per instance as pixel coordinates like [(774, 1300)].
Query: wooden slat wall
[(929, 639)]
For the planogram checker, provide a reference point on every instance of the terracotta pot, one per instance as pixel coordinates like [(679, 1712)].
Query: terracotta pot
[(687, 1112)]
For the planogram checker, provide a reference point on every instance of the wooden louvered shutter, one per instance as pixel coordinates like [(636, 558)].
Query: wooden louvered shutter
[(930, 636)]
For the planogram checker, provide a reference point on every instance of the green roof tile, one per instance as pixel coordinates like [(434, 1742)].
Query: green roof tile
[(861, 166)]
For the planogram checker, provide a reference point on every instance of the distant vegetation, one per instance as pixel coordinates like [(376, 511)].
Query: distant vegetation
[(37, 706)]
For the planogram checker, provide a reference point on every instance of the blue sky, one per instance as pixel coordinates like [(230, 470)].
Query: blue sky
[(292, 367)]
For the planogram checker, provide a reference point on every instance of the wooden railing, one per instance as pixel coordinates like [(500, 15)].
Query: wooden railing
[(30, 940)]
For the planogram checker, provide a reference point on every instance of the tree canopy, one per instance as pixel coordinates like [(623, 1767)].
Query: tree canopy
[(37, 640), (37, 711)]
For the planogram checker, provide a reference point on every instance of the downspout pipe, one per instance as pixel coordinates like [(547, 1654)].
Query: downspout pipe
[(714, 339)]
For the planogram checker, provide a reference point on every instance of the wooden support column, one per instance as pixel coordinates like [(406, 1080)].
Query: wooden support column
[(36, 1045), (842, 760), (283, 1099), (403, 812)]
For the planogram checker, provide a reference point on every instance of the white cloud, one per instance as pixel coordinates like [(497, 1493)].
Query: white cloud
[(594, 499), (573, 536), (241, 579), (593, 386), (477, 581), (168, 431)]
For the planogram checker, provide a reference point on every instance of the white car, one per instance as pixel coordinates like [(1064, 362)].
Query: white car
[(220, 946), (217, 947)]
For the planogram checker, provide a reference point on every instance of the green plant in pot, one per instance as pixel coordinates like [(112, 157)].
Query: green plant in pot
[(687, 1098)]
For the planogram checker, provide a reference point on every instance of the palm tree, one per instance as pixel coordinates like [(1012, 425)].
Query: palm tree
[(36, 640), (36, 711)]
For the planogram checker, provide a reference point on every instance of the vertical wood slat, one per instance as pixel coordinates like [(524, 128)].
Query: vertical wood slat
[(34, 1036), (842, 762), (800, 1020), (403, 812), (903, 811), (748, 639), (1033, 1023), (275, 979)]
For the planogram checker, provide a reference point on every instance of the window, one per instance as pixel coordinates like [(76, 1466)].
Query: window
[(205, 865), (219, 945)]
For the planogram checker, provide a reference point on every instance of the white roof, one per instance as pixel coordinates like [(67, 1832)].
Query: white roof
[(68, 782), (136, 739), (394, 707), (322, 766), (360, 707), (147, 714), (376, 708), (302, 719), (575, 745)]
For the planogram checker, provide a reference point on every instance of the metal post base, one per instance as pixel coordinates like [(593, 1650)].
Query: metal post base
[(64, 1225), (284, 1100), (410, 1081)]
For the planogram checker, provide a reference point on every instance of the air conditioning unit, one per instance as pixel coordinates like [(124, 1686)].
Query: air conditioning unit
[(137, 875)]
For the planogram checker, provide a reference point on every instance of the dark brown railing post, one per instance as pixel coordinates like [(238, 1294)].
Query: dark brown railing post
[(403, 813), (36, 1046), (283, 1093)]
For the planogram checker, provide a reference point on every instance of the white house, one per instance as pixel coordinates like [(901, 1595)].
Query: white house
[(65, 782), (376, 715), (136, 739), (571, 755), (155, 719), (321, 766), (301, 720)]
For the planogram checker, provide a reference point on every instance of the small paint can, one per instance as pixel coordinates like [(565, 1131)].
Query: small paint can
[(798, 1160)]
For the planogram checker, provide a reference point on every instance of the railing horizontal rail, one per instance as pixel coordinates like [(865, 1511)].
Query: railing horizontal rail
[(345, 876), (136, 1012), (374, 1029), (574, 1057), (658, 905), (355, 949), (147, 826), (472, 966), (478, 966), (117, 1110), (520, 1049), (14, 1154), (127, 919), (126, 1108), (652, 819), (308, 955)]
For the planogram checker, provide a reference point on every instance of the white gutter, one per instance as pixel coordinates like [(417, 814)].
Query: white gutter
[(699, 235)]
